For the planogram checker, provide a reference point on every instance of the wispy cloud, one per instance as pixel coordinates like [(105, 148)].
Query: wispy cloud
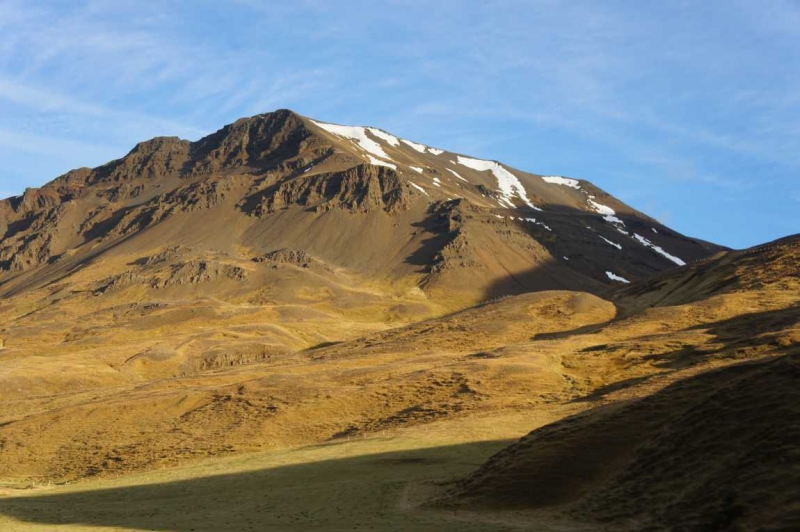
[(47, 101), (56, 147), (656, 94)]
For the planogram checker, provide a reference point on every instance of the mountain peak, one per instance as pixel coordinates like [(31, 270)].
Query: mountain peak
[(337, 183), (159, 144), (252, 141)]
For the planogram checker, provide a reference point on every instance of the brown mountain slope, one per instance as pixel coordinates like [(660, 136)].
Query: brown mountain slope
[(246, 396), (483, 373), (356, 198)]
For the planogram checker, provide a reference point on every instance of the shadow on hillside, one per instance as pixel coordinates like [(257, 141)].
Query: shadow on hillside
[(747, 336), (62, 270), (585, 329), (437, 226), (582, 253), (611, 388), (336, 494), (710, 452), (744, 326), (740, 337)]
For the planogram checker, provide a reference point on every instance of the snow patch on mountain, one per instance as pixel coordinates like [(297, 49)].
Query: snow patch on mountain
[(505, 202), (537, 222), (565, 181), (418, 188), (599, 207), (608, 213), (610, 242), (417, 169), (615, 277), (659, 250), (456, 174), (508, 184), (422, 148), (379, 162), (358, 134), (419, 147), (387, 137)]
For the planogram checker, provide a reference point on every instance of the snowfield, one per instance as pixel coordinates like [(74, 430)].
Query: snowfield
[(379, 162), (610, 242), (508, 184), (659, 250), (418, 188), (615, 277), (457, 175), (537, 222), (608, 213), (387, 137), (558, 180), (358, 135), (419, 147)]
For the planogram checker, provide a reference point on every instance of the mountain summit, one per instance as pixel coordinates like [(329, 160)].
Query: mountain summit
[(353, 198)]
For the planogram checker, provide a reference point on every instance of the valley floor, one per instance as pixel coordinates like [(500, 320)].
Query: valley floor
[(381, 481), (357, 484)]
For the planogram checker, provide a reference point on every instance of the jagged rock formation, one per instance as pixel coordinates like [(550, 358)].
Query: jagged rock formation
[(361, 189), (176, 274)]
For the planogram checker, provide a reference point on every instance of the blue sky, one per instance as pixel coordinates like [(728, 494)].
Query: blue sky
[(687, 110)]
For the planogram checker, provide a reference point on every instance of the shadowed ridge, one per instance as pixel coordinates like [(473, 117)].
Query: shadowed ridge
[(710, 452), (772, 265), (707, 453)]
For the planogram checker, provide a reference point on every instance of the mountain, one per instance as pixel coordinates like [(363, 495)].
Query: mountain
[(279, 233), (393, 309), (353, 198)]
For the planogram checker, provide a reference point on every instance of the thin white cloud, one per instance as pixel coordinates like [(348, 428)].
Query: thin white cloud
[(49, 101), (58, 148)]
